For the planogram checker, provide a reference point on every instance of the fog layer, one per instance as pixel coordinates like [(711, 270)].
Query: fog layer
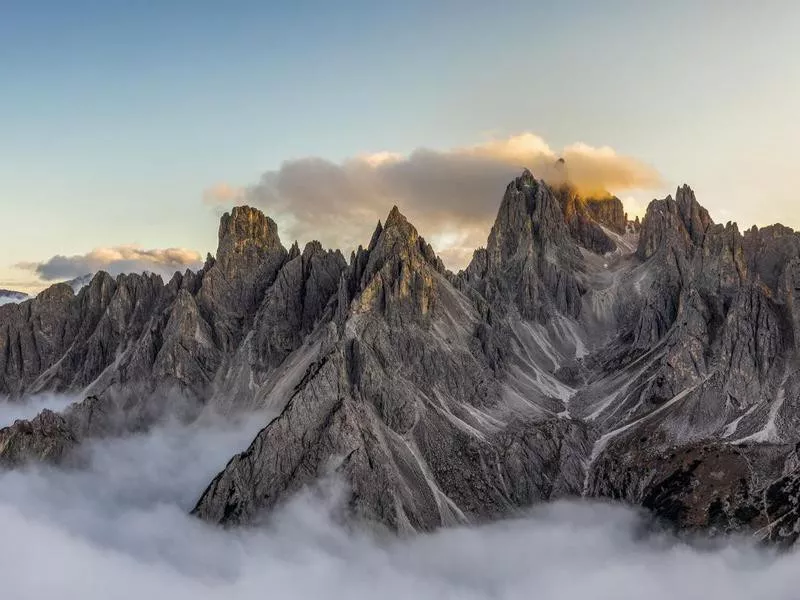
[(120, 529)]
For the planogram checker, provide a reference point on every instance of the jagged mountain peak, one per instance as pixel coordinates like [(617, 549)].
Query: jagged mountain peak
[(249, 256), (399, 226), (246, 231), (525, 178), (530, 216), (671, 223), (530, 254), (396, 218), (313, 247), (394, 237), (587, 217), (395, 274), (695, 217), (375, 237), (397, 236)]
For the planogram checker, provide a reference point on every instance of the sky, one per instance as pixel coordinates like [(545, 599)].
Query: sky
[(126, 129)]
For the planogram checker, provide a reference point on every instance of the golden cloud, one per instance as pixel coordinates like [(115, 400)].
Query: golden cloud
[(452, 196)]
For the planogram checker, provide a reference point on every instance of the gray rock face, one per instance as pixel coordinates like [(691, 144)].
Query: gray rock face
[(248, 259), (296, 302), (47, 437), (406, 408), (530, 257), (136, 331), (579, 354), (587, 218)]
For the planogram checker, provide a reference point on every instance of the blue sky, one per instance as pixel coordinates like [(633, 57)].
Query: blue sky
[(115, 116)]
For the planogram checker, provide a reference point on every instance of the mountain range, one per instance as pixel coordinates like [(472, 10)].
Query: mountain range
[(579, 354)]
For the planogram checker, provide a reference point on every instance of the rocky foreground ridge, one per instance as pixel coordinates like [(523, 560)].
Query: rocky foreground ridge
[(579, 354)]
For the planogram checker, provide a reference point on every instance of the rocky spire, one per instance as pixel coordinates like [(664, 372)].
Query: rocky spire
[(530, 217), (394, 275), (695, 218), (677, 224), (245, 236), (249, 256), (530, 251)]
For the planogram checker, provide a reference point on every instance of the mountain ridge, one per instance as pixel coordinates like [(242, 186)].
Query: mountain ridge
[(440, 398)]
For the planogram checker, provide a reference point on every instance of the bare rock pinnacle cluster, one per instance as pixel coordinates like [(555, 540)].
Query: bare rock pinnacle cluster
[(578, 354)]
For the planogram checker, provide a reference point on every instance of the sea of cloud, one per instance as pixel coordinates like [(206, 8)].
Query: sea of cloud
[(120, 529)]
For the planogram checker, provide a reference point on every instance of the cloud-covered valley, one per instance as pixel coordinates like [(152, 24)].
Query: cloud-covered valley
[(119, 529)]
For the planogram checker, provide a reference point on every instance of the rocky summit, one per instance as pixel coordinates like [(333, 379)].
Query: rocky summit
[(579, 354)]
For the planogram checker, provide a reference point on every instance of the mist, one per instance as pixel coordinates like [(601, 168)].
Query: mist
[(120, 529), (11, 410), (7, 300)]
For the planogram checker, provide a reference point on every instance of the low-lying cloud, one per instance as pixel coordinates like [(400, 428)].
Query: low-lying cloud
[(116, 260), (11, 296), (452, 196), (12, 299), (119, 528), (11, 410)]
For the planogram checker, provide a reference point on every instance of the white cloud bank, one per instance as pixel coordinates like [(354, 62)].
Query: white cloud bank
[(452, 196), (119, 530)]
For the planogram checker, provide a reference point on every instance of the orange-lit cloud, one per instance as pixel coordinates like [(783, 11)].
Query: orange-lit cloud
[(452, 196)]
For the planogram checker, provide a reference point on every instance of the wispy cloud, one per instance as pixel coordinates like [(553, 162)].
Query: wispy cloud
[(451, 195), (115, 260), (222, 193)]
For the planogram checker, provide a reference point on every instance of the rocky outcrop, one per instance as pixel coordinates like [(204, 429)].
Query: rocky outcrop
[(297, 301), (47, 438)]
